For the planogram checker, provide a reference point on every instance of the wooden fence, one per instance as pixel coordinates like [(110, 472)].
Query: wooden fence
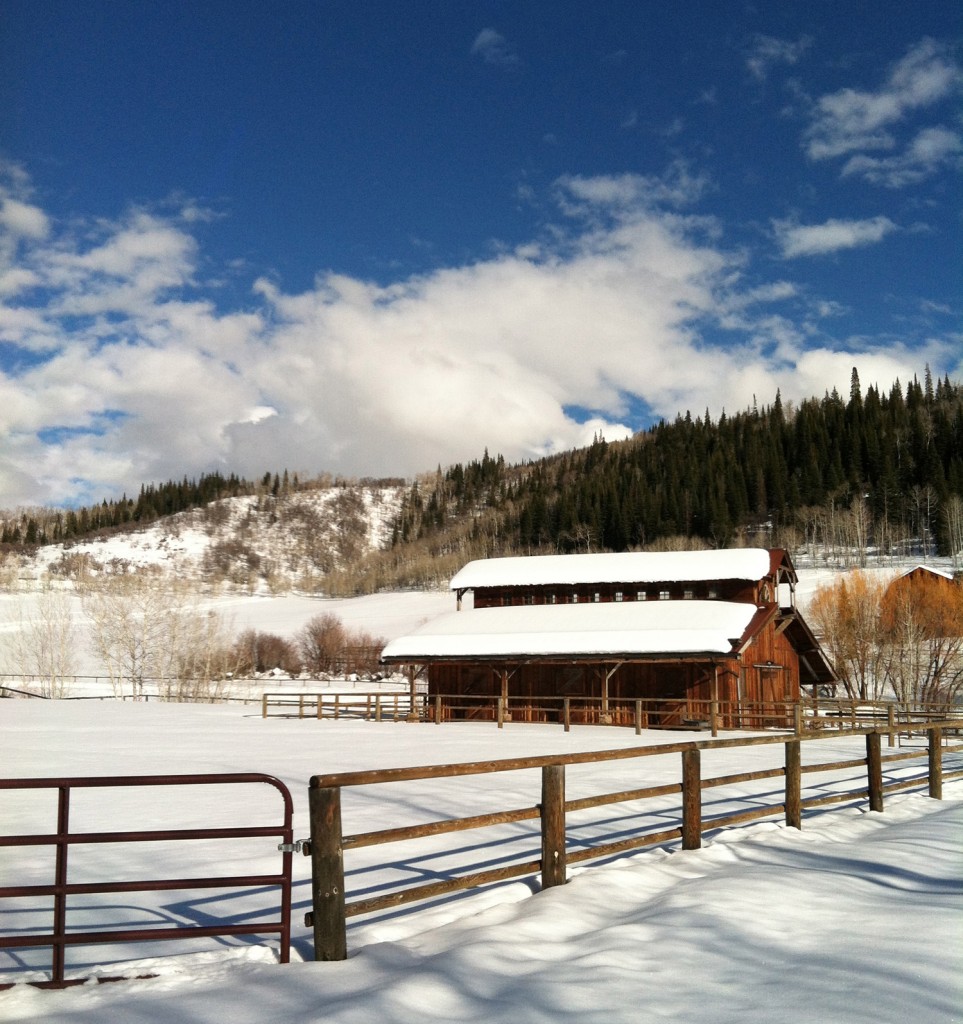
[(644, 713), (376, 706), (327, 843)]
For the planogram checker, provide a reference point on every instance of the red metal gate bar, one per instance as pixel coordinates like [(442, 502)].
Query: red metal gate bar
[(59, 938)]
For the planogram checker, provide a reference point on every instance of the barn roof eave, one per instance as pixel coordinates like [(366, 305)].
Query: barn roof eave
[(596, 658)]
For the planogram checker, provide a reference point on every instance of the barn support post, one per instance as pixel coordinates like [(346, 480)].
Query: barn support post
[(553, 825), (327, 874), (503, 699), (412, 696), (437, 709), (606, 678), (874, 771), (935, 759), (638, 717), (794, 783), (714, 703), (691, 799)]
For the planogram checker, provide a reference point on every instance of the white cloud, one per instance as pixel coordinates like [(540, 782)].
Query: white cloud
[(767, 51), (852, 121), (929, 150), (134, 377), (22, 220), (677, 187), (832, 236), (493, 48)]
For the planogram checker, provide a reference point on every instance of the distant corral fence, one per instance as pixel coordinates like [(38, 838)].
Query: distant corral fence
[(869, 778), (894, 717), (236, 689)]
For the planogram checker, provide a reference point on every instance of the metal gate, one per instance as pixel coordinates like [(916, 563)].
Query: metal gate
[(61, 889)]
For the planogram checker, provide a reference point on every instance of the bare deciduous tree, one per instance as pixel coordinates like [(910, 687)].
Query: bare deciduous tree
[(149, 628), (43, 643), (321, 642)]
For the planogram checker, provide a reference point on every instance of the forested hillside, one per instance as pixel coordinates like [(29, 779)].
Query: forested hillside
[(878, 473)]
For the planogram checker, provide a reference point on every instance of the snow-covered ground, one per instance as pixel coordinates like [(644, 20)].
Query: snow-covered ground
[(855, 918)]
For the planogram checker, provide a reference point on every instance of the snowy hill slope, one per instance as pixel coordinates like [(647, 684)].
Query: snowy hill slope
[(258, 543)]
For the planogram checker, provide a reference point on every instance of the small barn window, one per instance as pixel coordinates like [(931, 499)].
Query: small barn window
[(687, 594), (618, 595), (713, 593), (664, 595), (575, 597), (551, 599), (596, 597), (641, 596)]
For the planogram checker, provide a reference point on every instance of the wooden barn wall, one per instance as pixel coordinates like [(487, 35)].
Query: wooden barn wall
[(769, 673), (721, 590)]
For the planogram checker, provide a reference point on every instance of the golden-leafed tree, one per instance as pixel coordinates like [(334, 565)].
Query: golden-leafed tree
[(847, 616), (921, 621)]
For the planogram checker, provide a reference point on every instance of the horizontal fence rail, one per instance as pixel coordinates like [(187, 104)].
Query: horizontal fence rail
[(61, 889), (685, 714), (373, 706), (328, 843)]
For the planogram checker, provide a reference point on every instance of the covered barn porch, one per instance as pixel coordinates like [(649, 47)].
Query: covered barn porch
[(649, 693)]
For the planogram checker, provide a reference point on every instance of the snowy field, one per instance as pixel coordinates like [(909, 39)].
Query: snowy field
[(858, 917)]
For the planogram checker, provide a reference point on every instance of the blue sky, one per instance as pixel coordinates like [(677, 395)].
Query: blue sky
[(372, 238)]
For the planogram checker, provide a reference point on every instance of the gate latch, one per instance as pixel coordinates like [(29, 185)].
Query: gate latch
[(295, 847)]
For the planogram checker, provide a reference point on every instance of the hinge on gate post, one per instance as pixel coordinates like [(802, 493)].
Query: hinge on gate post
[(296, 847)]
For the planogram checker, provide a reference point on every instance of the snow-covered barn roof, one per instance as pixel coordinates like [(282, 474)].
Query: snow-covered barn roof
[(926, 568), (625, 567), (633, 628)]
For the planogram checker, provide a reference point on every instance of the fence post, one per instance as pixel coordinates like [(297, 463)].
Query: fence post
[(691, 799), (638, 717), (936, 763), (264, 705), (797, 718), (567, 713), (794, 784), (438, 709), (501, 712), (874, 771), (714, 717), (553, 825), (327, 874), (891, 725)]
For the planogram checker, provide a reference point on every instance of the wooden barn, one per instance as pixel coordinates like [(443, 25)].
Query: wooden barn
[(674, 637)]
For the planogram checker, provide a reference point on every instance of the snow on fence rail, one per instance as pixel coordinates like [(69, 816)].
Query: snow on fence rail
[(331, 909), (63, 839)]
